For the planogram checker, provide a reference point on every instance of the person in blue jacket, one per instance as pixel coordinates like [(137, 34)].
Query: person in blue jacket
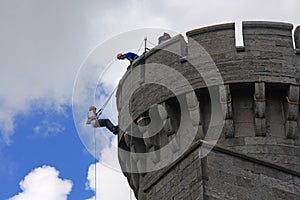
[(129, 56)]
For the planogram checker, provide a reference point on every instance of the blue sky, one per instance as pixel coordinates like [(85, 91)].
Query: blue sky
[(45, 48), (60, 148)]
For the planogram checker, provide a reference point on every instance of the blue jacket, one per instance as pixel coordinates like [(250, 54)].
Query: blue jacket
[(131, 55)]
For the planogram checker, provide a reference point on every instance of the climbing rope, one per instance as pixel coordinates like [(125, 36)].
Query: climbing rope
[(106, 102), (108, 99), (95, 161), (151, 43), (140, 47), (100, 112), (130, 157)]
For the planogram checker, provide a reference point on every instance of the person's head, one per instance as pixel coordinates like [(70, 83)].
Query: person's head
[(92, 108), (120, 56)]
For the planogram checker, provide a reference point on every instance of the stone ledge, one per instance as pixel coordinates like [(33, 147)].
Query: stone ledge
[(267, 24), (218, 27)]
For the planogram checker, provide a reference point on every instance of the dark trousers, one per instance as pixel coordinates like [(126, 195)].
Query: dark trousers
[(106, 123)]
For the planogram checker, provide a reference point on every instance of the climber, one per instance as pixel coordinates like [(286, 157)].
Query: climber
[(129, 56), (95, 122)]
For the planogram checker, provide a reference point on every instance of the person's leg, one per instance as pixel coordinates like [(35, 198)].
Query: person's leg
[(107, 123)]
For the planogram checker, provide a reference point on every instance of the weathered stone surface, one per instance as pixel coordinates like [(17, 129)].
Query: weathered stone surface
[(297, 37), (234, 178), (260, 109), (247, 97), (292, 107)]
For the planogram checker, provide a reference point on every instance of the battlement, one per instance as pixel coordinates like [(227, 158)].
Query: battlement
[(208, 85), (263, 33), (267, 56)]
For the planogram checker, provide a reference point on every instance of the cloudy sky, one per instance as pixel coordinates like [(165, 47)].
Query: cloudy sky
[(44, 44)]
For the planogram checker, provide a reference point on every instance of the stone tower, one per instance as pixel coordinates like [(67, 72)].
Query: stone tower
[(210, 120)]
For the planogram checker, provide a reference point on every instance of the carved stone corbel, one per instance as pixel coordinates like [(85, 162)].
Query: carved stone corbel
[(291, 111), (226, 104), (194, 111), (259, 98)]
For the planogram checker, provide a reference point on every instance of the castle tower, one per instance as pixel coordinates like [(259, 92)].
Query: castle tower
[(210, 120)]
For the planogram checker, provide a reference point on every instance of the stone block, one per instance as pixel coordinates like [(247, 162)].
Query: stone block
[(260, 126), (291, 129)]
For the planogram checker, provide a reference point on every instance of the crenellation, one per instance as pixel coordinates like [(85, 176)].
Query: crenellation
[(217, 40), (256, 102), (268, 25), (219, 28), (268, 37)]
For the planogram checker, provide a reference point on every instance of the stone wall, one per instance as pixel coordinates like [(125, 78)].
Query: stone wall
[(222, 175), (248, 94)]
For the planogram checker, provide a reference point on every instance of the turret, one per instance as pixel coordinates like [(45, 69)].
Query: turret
[(206, 118)]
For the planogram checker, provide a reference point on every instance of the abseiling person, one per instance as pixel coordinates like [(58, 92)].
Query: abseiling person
[(129, 56), (95, 122)]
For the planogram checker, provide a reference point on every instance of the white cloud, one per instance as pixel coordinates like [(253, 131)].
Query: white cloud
[(46, 129), (184, 16), (44, 183), (44, 42), (179, 16), (111, 183), (39, 56)]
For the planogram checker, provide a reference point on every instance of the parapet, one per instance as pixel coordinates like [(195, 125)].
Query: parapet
[(268, 54)]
